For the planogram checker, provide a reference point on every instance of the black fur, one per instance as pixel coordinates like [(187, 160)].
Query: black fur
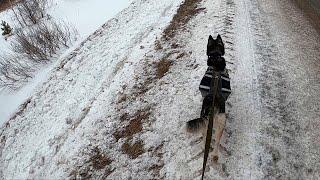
[(218, 62), (195, 124), (215, 46), (215, 49)]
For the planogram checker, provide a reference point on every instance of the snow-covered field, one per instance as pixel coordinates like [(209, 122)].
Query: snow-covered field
[(106, 111), (86, 16)]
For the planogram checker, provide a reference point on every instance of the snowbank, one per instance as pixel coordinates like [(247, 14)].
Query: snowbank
[(86, 16)]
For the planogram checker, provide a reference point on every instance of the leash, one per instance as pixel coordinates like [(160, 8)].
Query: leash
[(214, 86)]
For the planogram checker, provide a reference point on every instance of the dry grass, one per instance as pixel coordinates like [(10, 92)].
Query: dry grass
[(158, 45), (143, 87), (162, 67), (80, 174), (185, 12), (3, 141), (124, 117), (133, 128), (156, 168), (122, 98), (99, 160), (144, 80), (133, 150), (181, 55), (135, 124)]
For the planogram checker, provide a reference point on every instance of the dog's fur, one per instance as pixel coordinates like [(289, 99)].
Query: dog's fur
[(215, 46), (215, 51)]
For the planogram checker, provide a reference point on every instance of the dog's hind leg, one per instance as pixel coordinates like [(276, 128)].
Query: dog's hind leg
[(220, 122)]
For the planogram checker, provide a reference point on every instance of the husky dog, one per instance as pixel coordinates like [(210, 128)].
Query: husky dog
[(215, 62)]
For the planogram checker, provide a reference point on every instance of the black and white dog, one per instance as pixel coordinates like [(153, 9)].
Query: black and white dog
[(215, 62)]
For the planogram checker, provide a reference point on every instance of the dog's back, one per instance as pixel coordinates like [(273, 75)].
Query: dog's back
[(217, 119), (215, 62), (205, 83)]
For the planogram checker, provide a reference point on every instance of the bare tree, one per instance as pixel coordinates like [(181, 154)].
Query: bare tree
[(43, 41), (30, 12), (14, 71), (35, 42)]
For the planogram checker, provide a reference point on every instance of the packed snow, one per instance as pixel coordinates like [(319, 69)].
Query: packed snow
[(104, 112)]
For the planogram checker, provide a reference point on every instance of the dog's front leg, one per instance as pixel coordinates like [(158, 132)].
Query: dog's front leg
[(220, 122)]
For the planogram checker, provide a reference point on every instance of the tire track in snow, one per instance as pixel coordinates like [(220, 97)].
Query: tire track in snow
[(284, 127), (279, 124), (278, 148), (244, 115)]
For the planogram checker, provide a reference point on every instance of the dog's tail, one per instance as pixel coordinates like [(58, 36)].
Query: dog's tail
[(195, 124)]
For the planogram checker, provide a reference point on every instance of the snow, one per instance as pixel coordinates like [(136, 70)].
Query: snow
[(5, 16), (10, 101), (107, 83), (86, 16), (89, 76)]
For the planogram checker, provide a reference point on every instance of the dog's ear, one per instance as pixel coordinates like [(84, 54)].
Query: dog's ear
[(210, 40), (210, 44), (219, 39)]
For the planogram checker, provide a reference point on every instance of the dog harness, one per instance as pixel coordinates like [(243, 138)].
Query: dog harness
[(224, 89)]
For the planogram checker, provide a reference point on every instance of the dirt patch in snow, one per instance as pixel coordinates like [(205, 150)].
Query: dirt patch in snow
[(6, 4), (157, 45), (185, 12), (156, 69), (133, 150), (135, 124), (156, 168), (162, 67), (124, 117), (97, 161)]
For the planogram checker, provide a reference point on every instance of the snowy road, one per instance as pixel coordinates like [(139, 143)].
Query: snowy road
[(117, 106), (283, 111)]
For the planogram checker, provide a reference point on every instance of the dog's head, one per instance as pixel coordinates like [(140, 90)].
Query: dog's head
[(215, 46)]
